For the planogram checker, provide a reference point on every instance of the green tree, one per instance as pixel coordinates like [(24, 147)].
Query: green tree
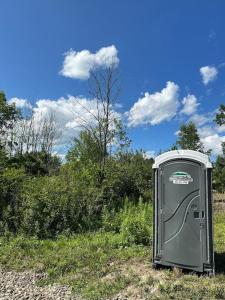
[(8, 115), (220, 116), (11, 180), (173, 147), (84, 149), (133, 173), (219, 167), (188, 138), (3, 159), (36, 163), (219, 174)]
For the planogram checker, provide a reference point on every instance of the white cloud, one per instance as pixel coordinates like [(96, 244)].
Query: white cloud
[(202, 119), (70, 116), (213, 142), (155, 108), (20, 103), (211, 138), (209, 73), (149, 154), (190, 105), (206, 131), (79, 64), (211, 135)]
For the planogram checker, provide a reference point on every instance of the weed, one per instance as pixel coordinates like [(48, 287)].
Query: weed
[(102, 264)]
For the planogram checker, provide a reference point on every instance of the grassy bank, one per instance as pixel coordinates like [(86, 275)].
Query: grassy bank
[(103, 264), (84, 261)]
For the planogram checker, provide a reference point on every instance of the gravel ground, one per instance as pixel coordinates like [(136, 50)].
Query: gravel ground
[(23, 285)]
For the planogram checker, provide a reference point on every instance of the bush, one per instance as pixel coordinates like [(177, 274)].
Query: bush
[(136, 231), (10, 187), (134, 222), (53, 205), (73, 199)]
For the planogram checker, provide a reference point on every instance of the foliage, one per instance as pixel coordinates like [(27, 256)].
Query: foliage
[(10, 186), (219, 166), (219, 174), (128, 175), (87, 148), (52, 199), (220, 116), (84, 149), (188, 138), (133, 221), (8, 115), (3, 159), (101, 265), (136, 228), (72, 201), (36, 163), (56, 204)]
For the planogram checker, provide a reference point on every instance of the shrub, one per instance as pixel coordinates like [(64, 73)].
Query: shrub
[(136, 231), (10, 186), (58, 204), (134, 222)]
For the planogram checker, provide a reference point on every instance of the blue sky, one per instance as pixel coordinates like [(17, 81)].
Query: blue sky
[(155, 42)]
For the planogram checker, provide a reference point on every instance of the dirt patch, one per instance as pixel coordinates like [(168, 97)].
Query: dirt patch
[(144, 280)]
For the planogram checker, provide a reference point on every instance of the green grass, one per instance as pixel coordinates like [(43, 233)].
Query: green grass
[(102, 264), (81, 261)]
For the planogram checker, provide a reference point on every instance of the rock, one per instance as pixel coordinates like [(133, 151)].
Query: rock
[(22, 286)]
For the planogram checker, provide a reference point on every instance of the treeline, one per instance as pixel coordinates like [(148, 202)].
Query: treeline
[(44, 197)]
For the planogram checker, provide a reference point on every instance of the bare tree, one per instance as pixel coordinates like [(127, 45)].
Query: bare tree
[(31, 135), (104, 88)]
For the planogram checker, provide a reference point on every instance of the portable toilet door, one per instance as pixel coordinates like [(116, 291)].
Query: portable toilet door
[(183, 235)]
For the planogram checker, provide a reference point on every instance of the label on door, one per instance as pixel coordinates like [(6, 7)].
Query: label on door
[(180, 177)]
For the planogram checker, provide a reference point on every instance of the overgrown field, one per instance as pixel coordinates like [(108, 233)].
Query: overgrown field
[(106, 264)]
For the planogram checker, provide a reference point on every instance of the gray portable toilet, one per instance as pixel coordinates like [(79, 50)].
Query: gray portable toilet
[(183, 233)]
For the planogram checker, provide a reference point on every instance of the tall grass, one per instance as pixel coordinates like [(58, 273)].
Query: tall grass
[(114, 260), (133, 222)]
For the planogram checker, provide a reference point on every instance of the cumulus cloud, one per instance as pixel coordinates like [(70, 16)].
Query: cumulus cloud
[(190, 105), (20, 103), (206, 131), (211, 135), (209, 73), (213, 142), (155, 108), (211, 138), (78, 65)]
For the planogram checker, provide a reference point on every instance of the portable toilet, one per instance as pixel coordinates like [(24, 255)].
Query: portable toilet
[(183, 232)]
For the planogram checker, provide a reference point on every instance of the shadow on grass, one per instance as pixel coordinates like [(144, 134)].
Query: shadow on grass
[(220, 262)]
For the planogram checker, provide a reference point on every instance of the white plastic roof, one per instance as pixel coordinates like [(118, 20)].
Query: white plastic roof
[(189, 154)]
